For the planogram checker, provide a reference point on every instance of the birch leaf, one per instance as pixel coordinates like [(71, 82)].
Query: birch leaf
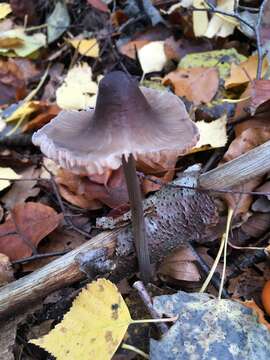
[(93, 328)]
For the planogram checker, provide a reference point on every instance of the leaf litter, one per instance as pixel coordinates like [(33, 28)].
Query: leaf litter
[(200, 57)]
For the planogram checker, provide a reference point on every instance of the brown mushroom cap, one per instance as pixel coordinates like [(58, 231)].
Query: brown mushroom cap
[(127, 119)]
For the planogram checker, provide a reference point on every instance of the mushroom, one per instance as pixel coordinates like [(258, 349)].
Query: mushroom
[(128, 123)]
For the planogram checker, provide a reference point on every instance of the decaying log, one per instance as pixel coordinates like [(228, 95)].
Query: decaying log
[(196, 216)]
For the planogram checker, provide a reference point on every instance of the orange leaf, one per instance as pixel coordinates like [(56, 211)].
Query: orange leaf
[(266, 297), (29, 224), (198, 85)]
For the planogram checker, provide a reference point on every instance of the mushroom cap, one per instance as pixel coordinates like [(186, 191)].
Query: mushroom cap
[(127, 120)]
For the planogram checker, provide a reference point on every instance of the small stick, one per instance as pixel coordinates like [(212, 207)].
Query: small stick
[(139, 286)]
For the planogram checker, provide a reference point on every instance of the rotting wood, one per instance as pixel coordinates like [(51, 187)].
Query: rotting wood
[(64, 271)]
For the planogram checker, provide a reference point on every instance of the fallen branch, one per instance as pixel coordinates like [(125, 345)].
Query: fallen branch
[(66, 270)]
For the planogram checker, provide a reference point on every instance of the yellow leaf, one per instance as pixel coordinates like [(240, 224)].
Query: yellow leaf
[(86, 47), (245, 71), (23, 111), (200, 18), (212, 134), (77, 90), (8, 173), (5, 9), (93, 328)]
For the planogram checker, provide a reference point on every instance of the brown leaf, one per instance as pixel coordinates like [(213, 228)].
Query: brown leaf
[(47, 114), (181, 265), (246, 140), (59, 240), (22, 190), (245, 72), (12, 84), (260, 93), (198, 85), (86, 193), (10, 42), (155, 33), (99, 4), (6, 271), (163, 172), (29, 224)]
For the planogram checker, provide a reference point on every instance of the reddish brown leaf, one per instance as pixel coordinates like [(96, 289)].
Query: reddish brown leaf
[(99, 4), (260, 93), (94, 192), (198, 85), (28, 225), (12, 84)]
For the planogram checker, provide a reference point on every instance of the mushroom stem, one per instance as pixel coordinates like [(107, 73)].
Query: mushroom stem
[(138, 222)]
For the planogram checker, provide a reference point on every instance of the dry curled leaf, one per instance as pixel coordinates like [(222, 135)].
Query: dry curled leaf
[(27, 225), (197, 84)]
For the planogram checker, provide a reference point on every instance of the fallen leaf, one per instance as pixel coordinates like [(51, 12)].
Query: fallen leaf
[(198, 85), (219, 326), (177, 49), (99, 4), (245, 71), (48, 112), (58, 21), (12, 83), (213, 134), (200, 18), (78, 81), (93, 327), (29, 224), (152, 57), (5, 9), (220, 59), (86, 47), (130, 48), (248, 139), (31, 43), (266, 298), (11, 42), (152, 34), (7, 173), (22, 190), (88, 192), (260, 93), (181, 265), (6, 270)]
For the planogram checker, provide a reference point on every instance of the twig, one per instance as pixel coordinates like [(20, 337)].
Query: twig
[(139, 286), (39, 256)]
